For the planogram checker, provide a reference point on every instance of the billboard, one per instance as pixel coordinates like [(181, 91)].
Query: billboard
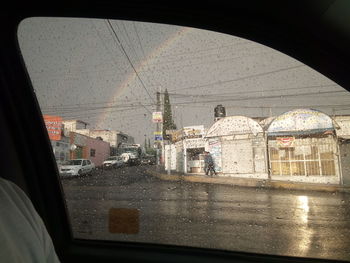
[(157, 117), (53, 126)]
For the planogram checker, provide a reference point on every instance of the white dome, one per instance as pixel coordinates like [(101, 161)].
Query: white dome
[(300, 120), (232, 125)]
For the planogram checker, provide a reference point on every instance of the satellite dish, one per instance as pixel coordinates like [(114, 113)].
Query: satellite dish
[(73, 147)]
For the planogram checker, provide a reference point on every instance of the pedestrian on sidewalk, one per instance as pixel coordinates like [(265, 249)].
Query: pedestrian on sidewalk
[(208, 164)]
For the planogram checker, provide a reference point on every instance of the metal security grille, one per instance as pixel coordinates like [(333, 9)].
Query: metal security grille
[(305, 157), (237, 156)]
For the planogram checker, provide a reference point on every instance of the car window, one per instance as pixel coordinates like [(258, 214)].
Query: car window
[(84, 162), (249, 147), (73, 162)]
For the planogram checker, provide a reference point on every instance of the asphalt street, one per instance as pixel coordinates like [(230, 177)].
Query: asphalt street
[(280, 222)]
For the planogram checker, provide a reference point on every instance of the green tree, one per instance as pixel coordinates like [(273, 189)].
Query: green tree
[(168, 122)]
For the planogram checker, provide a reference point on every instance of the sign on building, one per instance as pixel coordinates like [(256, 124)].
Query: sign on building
[(193, 131), (285, 141), (158, 136), (157, 117), (53, 126)]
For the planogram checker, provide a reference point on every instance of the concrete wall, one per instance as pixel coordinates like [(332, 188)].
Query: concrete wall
[(170, 157), (244, 155), (113, 137), (342, 124), (106, 135), (101, 150), (344, 148)]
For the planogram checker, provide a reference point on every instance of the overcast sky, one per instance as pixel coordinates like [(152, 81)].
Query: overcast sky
[(107, 73)]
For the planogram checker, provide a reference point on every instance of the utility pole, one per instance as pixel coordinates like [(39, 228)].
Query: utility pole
[(158, 128), (161, 128)]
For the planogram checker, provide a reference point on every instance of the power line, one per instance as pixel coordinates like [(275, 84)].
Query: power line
[(202, 50), (242, 78), (139, 40), (135, 107), (132, 65), (248, 92), (165, 68), (210, 55), (109, 26), (265, 97), (78, 105), (129, 40)]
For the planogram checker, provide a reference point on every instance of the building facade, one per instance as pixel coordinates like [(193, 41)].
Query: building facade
[(303, 147), (238, 147), (85, 147)]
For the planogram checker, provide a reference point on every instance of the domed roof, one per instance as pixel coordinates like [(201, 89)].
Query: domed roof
[(300, 120), (232, 125)]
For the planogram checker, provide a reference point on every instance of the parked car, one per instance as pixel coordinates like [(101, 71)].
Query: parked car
[(148, 160), (76, 167), (113, 162)]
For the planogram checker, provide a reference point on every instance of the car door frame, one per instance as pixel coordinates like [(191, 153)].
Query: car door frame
[(36, 173)]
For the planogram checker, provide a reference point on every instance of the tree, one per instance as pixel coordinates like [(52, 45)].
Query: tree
[(168, 122)]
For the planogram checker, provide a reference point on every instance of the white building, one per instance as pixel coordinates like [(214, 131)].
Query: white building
[(113, 137), (303, 147), (238, 147), (186, 152)]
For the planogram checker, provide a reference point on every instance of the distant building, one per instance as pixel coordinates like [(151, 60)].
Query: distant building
[(59, 142), (88, 148), (113, 137), (73, 125)]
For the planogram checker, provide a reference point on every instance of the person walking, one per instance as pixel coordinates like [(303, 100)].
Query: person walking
[(209, 164)]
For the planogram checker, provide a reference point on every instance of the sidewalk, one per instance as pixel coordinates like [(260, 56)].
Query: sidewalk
[(246, 182)]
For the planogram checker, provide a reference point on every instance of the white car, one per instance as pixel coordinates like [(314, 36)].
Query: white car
[(76, 167), (113, 162)]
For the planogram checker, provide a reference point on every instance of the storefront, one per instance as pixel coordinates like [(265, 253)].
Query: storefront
[(195, 155), (302, 147), (186, 152), (238, 147)]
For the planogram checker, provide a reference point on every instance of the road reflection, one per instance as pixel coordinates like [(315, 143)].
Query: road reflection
[(282, 222), (304, 232)]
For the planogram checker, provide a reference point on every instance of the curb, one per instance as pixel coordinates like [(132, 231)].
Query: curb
[(245, 182)]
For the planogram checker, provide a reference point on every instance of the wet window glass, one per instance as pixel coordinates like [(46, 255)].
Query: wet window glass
[(193, 137)]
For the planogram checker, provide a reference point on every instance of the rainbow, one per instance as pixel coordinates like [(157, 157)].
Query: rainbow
[(132, 76)]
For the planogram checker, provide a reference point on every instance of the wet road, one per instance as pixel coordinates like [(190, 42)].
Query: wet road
[(280, 222)]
